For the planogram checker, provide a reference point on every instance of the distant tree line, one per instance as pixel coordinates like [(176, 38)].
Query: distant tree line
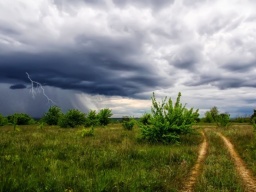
[(54, 116)]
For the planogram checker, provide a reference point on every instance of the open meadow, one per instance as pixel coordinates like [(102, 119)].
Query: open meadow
[(33, 158), (57, 159)]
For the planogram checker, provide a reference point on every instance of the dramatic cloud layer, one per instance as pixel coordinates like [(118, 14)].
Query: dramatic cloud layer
[(115, 53)]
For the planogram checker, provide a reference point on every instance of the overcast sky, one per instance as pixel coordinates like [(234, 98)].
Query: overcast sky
[(92, 54)]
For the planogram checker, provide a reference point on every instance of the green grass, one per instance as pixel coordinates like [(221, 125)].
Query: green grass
[(54, 159), (218, 172)]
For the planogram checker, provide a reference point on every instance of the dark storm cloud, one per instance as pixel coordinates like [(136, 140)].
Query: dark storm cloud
[(222, 82), (241, 67), (87, 72), (18, 86), (127, 48)]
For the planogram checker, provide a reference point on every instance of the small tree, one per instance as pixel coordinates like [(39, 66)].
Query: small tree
[(91, 119), (53, 115), (211, 116), (72, 119), (168, 121), (103, 116), (214, 113), (223, 120), (3, 120), (128, 123), (208, 117)]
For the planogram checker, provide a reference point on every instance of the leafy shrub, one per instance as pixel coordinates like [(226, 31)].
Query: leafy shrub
[(91, 119), (72, 119), (168, 121), (128, 123), (53, 115), (87, 133), (223, 120), (104, 116), (145, 119), (20, 119), (3, 120)]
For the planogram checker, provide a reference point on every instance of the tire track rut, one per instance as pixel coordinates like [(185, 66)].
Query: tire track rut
[(197, 167), (245, 174)]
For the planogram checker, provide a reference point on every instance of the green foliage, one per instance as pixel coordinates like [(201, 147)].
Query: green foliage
[(168, 121), (72, 119), (214, 113), (91, 119), (208, 117), (211, 116), (128, 123), (20, 119), (61, 160), (53, 115), (87, 133), (223, 120), (145, 119), (253, 115), (3, 120), (103, 116)]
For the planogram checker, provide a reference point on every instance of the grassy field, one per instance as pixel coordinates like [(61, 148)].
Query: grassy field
[(114, 159), (55, 159)]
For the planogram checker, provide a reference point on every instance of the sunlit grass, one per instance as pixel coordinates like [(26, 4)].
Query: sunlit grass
[(55, 159)]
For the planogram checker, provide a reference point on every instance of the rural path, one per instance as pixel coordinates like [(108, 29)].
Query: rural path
[(188, 187), (245, 174)]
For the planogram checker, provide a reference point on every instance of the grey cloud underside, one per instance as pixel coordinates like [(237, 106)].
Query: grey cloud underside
[(224, 82), (90, 74)]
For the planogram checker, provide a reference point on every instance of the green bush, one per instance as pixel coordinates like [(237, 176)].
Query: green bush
[(72, 118), (128, 123), (168, 121), (145, 119), (87, 133), (3, 120), (223, 120), (91, 119), (104, 116), (20, 119), (52, 116)]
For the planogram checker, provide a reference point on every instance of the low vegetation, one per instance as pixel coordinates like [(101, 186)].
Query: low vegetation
[(55, 159)]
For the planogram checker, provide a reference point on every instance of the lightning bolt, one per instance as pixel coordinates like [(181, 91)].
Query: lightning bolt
[(37, 87)]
